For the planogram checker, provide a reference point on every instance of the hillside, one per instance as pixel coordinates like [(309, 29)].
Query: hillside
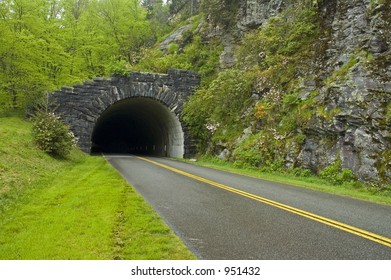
[(286, 84), (289, 84), (22, 165), (78, 208)]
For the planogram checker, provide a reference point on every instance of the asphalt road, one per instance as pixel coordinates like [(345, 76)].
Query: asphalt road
[(257, 219)]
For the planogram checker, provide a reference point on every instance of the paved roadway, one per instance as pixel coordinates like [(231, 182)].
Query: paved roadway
[(257, 219)]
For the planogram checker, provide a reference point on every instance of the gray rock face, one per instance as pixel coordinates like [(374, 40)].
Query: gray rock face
[(358, 133), (175, 37), (254, 13)]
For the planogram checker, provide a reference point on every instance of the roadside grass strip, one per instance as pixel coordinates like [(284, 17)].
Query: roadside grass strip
[(88, 212), (344, 227), (350, 189)]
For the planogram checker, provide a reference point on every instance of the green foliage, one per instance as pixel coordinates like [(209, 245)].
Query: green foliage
[(47, 44), (248, 153), (230, 91), (173, 48), (388, 114), (22, 164), (281, 49), (219, 106), (301, 172), (195, 114), (263, 149), (199, 56), (158, 15), (119, 67), (52, 135), (342, 72), (221, 12), (384, 166), (181, 10), (335, 175)]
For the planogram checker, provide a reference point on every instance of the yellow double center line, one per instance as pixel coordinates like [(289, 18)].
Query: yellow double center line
[(356, 231)]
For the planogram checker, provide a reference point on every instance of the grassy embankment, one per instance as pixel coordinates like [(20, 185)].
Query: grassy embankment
[(351, 189), (79, 208)]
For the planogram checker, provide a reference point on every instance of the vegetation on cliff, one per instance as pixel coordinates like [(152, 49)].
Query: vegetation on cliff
[(308, 101), (306, 84)]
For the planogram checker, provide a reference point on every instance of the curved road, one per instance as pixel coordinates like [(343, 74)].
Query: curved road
[(221, 215)]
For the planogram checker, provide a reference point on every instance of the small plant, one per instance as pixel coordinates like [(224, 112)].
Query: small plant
[(52, 135), (173, 48), (334, 174), (301, 172), (261, 110), (118, 67)]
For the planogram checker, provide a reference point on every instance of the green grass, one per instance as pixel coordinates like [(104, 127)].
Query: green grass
[(79, 208), (355, 190)]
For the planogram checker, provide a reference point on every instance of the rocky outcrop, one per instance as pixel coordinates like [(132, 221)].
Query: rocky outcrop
[(176, 37), (352, 75), (253, 13), (359, 133)]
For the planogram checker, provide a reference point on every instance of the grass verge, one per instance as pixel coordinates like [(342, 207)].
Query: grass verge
[(79, 208), (350, 189)]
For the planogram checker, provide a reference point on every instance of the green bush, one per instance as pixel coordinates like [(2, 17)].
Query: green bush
[(118, 67), (220, 105), (334, 174), (263, 149), (331, 172), (301, 172), (173, 48), (52, 135)]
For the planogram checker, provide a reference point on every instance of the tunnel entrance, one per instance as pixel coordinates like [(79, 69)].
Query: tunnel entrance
[(138, 125)]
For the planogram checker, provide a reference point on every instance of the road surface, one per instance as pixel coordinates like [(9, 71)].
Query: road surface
[(221, 215)]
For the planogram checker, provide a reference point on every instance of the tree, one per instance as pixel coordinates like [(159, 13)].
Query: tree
[(158, 15), (45, 44), (186, 8), (124, 26), (221, 12), (21, 78)]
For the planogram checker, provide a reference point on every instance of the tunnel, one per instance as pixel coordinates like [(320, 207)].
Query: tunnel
[(138, 125)]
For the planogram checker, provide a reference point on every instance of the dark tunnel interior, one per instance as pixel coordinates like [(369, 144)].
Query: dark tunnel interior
[(139, 126)]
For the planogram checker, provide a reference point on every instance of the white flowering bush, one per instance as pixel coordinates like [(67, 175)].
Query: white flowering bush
[(52, 135)]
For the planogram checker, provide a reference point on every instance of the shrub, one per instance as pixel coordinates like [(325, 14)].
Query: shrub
[(220, 103), (331, 172), (264, 149), (334, 174), (118, 67), (301, 172), (52, 135)]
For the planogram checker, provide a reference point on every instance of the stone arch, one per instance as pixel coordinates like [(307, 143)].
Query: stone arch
[(139, 125), (148, 103)]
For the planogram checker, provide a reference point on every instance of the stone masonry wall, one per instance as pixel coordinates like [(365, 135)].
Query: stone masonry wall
[(81, 105)]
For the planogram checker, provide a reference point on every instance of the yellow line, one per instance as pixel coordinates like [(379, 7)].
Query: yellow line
[(356, 231)]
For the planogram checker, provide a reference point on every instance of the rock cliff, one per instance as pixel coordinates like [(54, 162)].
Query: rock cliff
[(351, 73)]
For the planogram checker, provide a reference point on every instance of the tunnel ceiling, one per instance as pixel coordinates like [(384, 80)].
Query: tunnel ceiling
[(138, 125)]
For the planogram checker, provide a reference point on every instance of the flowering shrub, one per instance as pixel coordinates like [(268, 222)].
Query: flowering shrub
[(52, 135)]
